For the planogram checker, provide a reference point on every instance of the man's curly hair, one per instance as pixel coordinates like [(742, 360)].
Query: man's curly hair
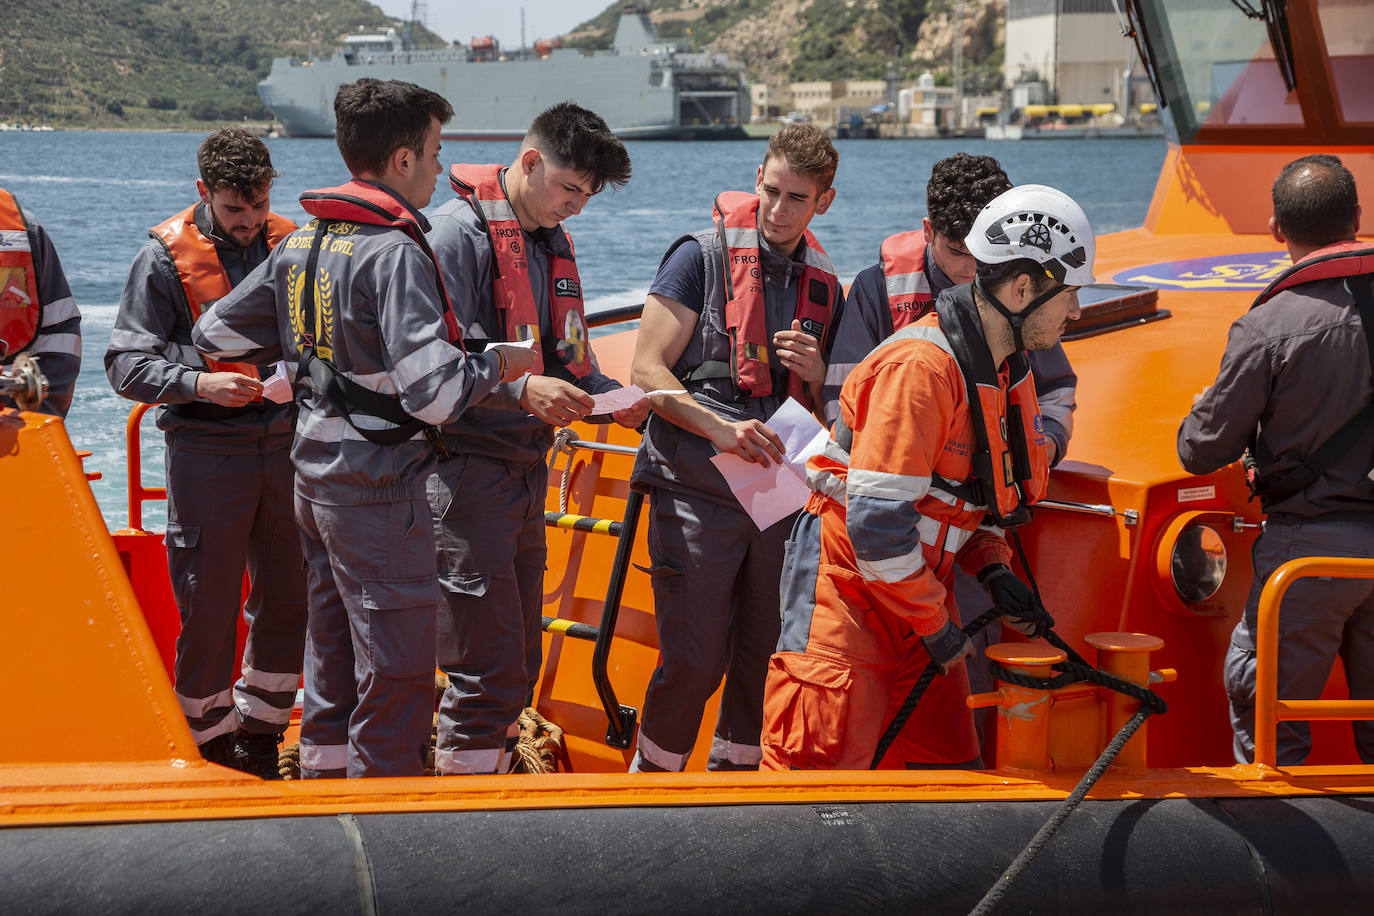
[(960, 186), (233, 158)]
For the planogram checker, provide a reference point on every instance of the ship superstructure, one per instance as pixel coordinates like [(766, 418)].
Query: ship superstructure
[(644, 88)]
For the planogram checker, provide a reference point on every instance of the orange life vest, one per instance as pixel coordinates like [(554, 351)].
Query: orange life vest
[(1342, 259), (480, 186), (203, 278), (736, 215), (904, 273), (21, 307), (365, 202)]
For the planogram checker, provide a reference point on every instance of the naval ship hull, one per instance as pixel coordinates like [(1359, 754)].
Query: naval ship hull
[(643, 88)]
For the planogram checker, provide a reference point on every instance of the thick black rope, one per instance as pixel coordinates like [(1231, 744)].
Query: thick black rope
[(1074, 670), (909, 706), (999, 888)]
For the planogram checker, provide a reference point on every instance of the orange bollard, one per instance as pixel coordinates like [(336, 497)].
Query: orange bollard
[(1023, 713), (1127, 656)]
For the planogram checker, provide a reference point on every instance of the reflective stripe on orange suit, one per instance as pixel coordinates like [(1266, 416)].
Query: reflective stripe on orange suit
[(850, 650), (202, 276)]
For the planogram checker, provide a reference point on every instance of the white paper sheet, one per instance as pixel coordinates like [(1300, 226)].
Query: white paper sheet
[(276, 388), (770, 494), (620, 398), (617, 399)]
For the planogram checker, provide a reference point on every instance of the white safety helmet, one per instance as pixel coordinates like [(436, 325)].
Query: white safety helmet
[(1039, 223)]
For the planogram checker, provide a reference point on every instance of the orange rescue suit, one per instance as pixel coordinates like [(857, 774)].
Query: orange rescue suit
[(892, 499), (480, 186), (203, 279)]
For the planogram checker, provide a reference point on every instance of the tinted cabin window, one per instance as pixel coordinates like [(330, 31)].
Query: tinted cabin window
[(1348, 31), (1217, 68)]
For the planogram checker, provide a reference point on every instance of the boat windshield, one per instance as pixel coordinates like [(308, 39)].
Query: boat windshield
[(1227, 76), (1216, 66)]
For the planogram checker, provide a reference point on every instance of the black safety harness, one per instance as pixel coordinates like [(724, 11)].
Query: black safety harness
[(327, 381), (963, 329)]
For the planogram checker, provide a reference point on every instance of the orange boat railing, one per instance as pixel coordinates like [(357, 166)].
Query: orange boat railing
[(1269, 708), (138, 493)]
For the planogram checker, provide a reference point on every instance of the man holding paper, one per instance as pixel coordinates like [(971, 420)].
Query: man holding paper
[(511, 274), (740, 316), (229, 472)]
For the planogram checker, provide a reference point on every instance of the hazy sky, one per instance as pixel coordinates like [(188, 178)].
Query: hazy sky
[(462, 19)]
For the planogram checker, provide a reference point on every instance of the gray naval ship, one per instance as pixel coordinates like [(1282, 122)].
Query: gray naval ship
[(644, 88)]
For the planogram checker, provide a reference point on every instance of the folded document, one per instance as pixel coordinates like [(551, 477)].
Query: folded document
[(770, 494)]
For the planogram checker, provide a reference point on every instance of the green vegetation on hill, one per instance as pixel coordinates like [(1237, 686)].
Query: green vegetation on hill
[(816, 39), (159, 63), (194, 63)]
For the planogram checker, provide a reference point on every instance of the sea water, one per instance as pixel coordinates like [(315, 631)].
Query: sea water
[(97, 193)]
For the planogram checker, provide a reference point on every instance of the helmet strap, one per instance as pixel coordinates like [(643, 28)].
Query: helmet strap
[(1016, 319)]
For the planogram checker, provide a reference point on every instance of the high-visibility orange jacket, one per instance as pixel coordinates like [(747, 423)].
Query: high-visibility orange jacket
[(899, 457)]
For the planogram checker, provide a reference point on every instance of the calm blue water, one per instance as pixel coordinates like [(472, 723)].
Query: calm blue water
[(97, 194)]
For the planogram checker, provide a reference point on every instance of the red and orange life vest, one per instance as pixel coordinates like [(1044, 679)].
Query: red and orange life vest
[(203, 278), (904, 272), (365, 202), (736, 215), (481, 186), (1342, 259), (21, 307)]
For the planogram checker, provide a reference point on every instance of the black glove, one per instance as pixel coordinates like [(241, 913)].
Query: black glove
[(948, 646), (1022, 611)]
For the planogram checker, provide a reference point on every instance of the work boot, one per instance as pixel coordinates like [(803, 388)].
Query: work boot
[(257, 754), (219, 749)]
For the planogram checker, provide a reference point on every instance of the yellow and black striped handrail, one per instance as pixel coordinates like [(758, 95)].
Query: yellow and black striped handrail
[(582, 523), (570, 628)]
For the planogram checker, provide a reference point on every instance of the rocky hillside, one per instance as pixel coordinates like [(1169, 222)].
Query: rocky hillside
[(149, 63), (193, 63), (785, 40)]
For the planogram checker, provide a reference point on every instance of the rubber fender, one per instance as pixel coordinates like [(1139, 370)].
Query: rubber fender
[(1118, 857)]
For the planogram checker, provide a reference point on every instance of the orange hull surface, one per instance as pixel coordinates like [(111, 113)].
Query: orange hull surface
[(1101, 549)]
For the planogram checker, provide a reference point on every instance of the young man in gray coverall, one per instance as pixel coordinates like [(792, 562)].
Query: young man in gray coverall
[(228, 460), (1295, 370), (384, 361), (715, 574), (503, 251), (56, 341)]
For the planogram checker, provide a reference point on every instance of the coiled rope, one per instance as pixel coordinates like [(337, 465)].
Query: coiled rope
[(562, 446)]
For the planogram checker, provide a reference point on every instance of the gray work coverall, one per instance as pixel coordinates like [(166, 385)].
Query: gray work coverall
[(1296, 367), (715, 576), (228, 505), (488, 507), (369, 543), (57, 346)]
